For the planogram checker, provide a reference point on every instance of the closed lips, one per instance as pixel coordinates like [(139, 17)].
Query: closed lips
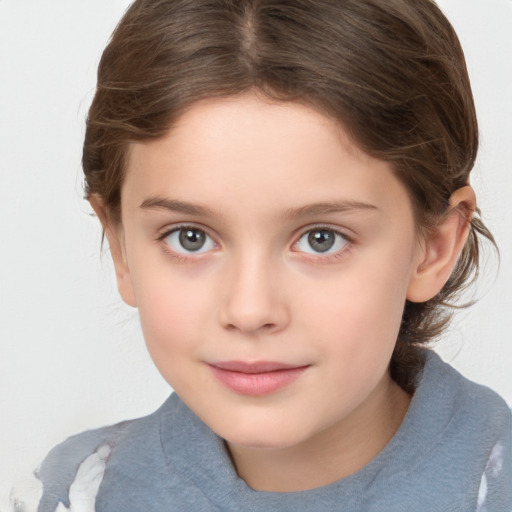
[(256, 379)]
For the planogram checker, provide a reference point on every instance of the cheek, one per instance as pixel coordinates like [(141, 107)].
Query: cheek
[(354, 325), (172, 310), (359, 310)]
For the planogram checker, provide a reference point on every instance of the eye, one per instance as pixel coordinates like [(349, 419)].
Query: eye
[(321, 241), (188, 240)]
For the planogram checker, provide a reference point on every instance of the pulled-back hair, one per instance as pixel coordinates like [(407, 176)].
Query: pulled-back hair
[(391, 72)]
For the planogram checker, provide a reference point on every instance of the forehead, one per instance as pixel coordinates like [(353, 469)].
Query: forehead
[(244, 124), (247, 152)]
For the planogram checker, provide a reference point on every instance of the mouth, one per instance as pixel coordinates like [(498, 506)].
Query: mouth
[(257, 378)]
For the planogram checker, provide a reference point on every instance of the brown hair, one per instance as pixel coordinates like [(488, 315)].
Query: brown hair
[(392, 72)]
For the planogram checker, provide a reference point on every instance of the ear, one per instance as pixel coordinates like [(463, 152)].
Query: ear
[(115, 237), (442, 247)]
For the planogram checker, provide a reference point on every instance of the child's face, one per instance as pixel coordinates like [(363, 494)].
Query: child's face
[(259, 233)]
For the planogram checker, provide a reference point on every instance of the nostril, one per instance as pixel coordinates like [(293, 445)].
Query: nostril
[(246, 327)]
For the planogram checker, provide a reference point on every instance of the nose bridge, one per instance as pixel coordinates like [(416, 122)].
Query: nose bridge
[(253, 298)]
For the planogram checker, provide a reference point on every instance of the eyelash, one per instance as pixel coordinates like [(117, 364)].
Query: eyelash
[(318, 257), (182, 257), (329, 257)]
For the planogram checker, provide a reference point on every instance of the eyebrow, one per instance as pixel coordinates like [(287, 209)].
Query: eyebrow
[(322, 208), (160, 203), (325, 208)]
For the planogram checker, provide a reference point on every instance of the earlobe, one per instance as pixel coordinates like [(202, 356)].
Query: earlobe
[(442, 247), (114, 234)]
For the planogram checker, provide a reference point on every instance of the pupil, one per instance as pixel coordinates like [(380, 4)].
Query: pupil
[(192, 239), (321, 241)]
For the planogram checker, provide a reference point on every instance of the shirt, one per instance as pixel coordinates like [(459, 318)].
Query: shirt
[(452, 453)]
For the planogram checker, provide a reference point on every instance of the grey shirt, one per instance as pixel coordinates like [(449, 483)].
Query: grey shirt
[(452, 453)]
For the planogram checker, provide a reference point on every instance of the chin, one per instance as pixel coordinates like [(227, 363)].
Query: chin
[(269, 438), (260, 444)]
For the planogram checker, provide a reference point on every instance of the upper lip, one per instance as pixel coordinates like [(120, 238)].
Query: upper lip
[(254, 367)]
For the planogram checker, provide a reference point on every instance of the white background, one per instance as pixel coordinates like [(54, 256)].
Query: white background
[(71, 354)]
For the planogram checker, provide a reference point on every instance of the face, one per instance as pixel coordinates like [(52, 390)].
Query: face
[(270, 260)]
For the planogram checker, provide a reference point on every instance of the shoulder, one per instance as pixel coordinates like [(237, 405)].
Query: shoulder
[(76, 466), (66, 456), (459, 399), (467, 431), (487, 421), (74, 470)]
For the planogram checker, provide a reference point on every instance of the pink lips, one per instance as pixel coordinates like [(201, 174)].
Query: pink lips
[(256, 379)]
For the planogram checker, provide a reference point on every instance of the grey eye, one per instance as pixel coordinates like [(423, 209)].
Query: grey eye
[(192, 239), (321, 240), (189, 240)]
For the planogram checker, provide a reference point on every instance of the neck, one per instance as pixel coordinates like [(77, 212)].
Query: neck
[(335, 453)]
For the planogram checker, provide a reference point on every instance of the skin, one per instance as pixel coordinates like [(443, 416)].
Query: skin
[(246, 172)]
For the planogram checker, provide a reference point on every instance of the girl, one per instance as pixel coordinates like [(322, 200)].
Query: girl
[(284, 189)]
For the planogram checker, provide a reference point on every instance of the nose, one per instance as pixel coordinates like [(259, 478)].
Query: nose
[(253, 300)]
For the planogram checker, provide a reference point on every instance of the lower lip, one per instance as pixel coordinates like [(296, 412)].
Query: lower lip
[(257, 384)]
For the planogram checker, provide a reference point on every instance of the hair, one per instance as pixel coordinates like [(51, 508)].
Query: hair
[(391, 72)]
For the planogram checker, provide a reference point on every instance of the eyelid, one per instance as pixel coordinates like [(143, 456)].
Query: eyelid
[(171, 228), (324, 257), (344, 232), (184, 256), (328, 255)]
